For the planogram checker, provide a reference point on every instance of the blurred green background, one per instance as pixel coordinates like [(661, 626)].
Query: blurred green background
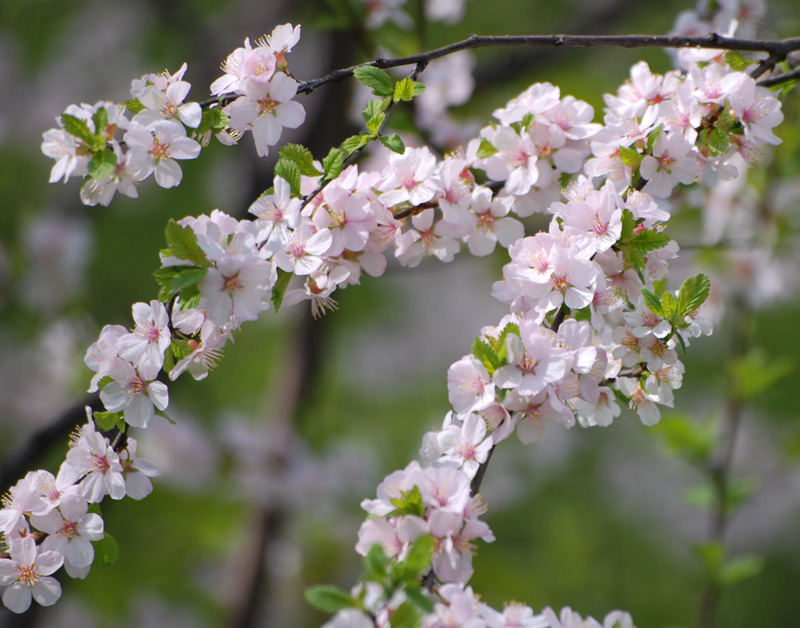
[(595, 519)]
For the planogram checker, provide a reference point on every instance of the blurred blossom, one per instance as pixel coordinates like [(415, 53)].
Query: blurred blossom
[(58, 249), (187, 458)]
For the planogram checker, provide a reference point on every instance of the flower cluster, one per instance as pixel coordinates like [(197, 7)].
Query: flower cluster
[(591, 318), (262, 91), (46, 520)]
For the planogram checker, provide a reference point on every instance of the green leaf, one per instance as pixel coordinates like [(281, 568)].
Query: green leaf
[(630, 157), (102, 164), (652, 301), (290, 172), (135, 106), (107, 421), (214, 120), (741, 568), (418, 88), (106, 551), (182, 243), (376, 79), (718, 141), (302, 157), (329, 598), (377, 563), (486, 355), (353, 143), (711, 555), (648, 240), (333, 163), (419, 599), (394, 143), (686, 437), (420, 555), (486, 149), (737, 62), (653, 137), (406, 616), (756, 372), (77, 127), (409, 503), (100, 120), (403, 90), (174, 279), (693, 293), (279, 289), (374, 116)]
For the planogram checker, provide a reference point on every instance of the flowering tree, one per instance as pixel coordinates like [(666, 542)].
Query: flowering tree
[(594, 318)]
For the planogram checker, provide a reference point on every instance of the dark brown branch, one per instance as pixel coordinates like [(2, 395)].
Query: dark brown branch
[(777, 48), (780, 78)]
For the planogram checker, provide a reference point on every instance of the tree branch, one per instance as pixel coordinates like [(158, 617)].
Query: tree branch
[(775, 48)]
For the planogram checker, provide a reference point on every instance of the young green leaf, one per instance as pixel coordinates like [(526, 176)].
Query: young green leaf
[(78, 127), (107, 421), (333, 163), (693, 293), (301, 156), (376, 79), (486, 355), (652, 301), (134, 106), (102, 164), (486, 149), (353, 143), (630, 157), (420, 555), (406, 616), (394, 143), (403, 90), (279, 289), (374, 116), (182, 243), (289, 171), (737, 62), (106, 551), (329, 598), (419, 599), (409, 503)]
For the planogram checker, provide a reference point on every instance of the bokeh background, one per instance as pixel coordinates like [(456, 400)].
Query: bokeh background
[(263, 475)]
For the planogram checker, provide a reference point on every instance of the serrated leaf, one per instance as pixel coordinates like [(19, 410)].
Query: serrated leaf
[(648, 240), (376, 79), (630, 157), (394, 143), (486, 355), (652, 301), (409, 503), (419, 599), (420, 555), (107, 421), (403, 90), (135, 106), (693, 293), (406, 616), (486, 149), (333, 163), (718, 141), (374, 116), (353, 143), (737, 62), (102, 164), (418, 88), (329, 598), (182, 244), (77, 127), (106, 551), (628, 225), (302, 157), (290, 172), (279, 289), (100, 121), (741, 568), (214, 120), (173, 279)]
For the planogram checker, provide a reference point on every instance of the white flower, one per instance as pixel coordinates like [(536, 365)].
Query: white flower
[(28, 575)]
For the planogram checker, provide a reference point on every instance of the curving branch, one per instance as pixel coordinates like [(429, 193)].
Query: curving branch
[(776, 49)]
